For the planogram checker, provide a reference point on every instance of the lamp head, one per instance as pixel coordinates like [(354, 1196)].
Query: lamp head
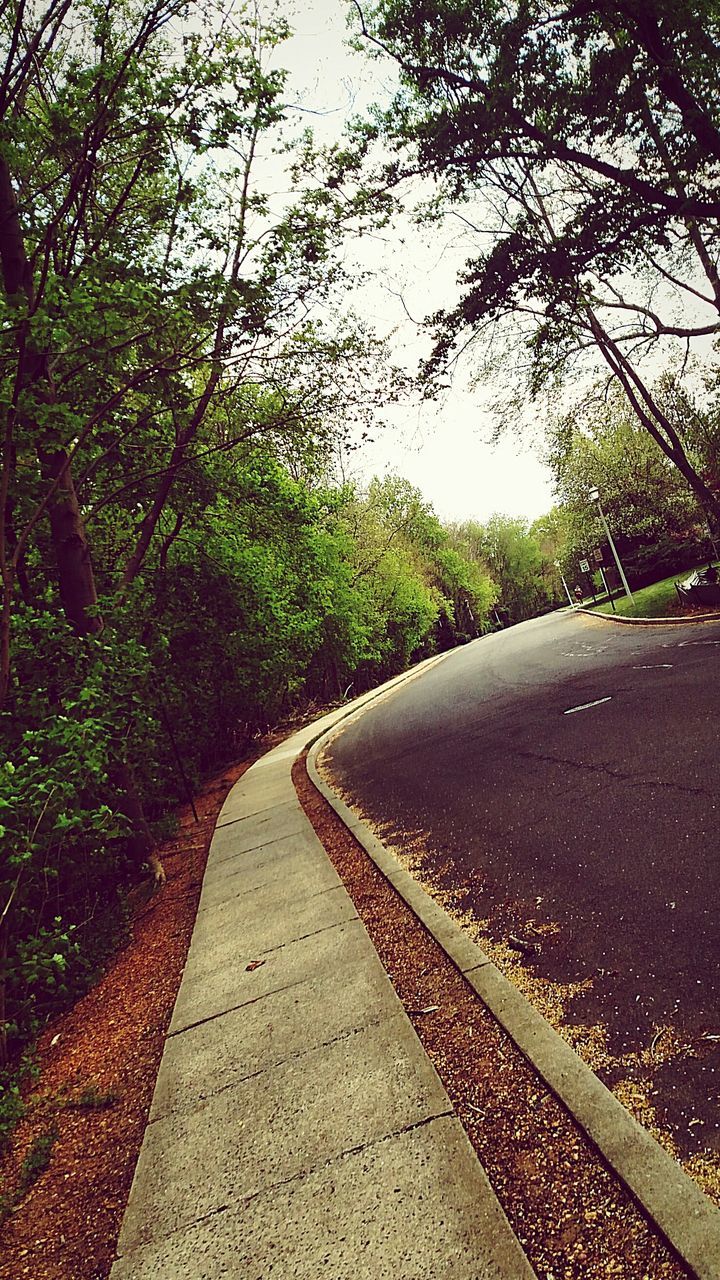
[(594, 495)]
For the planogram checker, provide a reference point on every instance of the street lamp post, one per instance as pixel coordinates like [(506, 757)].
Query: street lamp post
[(594, 496)]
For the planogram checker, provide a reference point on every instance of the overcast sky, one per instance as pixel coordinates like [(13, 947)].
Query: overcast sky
[(441, 448)]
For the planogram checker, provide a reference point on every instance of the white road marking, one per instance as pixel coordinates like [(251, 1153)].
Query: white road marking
[(584, 706), (652, 666), (684, 644)]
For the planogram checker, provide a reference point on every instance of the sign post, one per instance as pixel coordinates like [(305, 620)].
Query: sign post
[(585, 568), (594, 496), (607, 589)]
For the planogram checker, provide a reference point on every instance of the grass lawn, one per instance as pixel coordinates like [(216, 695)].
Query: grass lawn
[(658, 601)]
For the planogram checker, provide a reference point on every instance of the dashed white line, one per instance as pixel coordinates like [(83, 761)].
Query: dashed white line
[(653, 666), (584, 705)]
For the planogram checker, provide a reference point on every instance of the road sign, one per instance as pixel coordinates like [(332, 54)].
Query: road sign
[(584, 566), (597, 555)]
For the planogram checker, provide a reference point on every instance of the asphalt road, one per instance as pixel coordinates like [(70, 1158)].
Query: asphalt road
[(599, 820)]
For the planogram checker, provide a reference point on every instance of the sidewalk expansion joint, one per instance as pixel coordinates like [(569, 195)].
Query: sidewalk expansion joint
[(322, 893), (245, 893), (482, 964), (205, 976), (244, 817), (212, 1017), (342, 1155), (337, 924), (281, 1062), (264, 844), (175, 1231), (244, 1202), (212, 906)]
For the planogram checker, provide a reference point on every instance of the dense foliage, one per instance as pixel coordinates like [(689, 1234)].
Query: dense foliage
[(659, 525), (178, 567), (519, 562)]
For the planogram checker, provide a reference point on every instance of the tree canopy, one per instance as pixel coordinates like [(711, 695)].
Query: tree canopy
[(656, 517), (579, 147), (177, 367)]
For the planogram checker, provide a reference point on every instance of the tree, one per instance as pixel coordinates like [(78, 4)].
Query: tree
[(34, 277), (157, 313), (602, 444), (563, 86), (147, 278), (146, 281), (401, 588), (580, 146), (513, 559), (552, 534)]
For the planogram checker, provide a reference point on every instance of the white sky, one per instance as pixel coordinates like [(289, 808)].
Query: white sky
[(442, 447)]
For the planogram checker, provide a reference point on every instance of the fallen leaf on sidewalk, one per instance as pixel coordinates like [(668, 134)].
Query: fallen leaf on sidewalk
[(254, 964)]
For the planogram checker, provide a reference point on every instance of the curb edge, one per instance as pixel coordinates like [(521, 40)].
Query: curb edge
[(649, 622), (685, 1216)]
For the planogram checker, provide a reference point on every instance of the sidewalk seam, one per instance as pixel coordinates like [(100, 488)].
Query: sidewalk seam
[(245, 893), (282, 1062), (245, 817), (244, 1202), (264, 844), (337, 924), (211, 1017)]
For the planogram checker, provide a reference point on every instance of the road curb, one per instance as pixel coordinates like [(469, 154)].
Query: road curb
[(688, 1220), (649, 622)]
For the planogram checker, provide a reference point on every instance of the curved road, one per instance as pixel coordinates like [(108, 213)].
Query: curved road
[(600, 821)]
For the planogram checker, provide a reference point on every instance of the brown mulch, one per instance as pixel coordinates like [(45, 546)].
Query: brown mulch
[(571, 1214), (98, 1064)]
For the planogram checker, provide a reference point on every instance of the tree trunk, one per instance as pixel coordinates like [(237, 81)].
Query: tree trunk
[(150, 519), (656, 423), (3, 985), (76, 578), (142, 843)]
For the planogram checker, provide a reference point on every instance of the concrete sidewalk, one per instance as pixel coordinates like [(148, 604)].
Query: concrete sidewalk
[(298, 1128)]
